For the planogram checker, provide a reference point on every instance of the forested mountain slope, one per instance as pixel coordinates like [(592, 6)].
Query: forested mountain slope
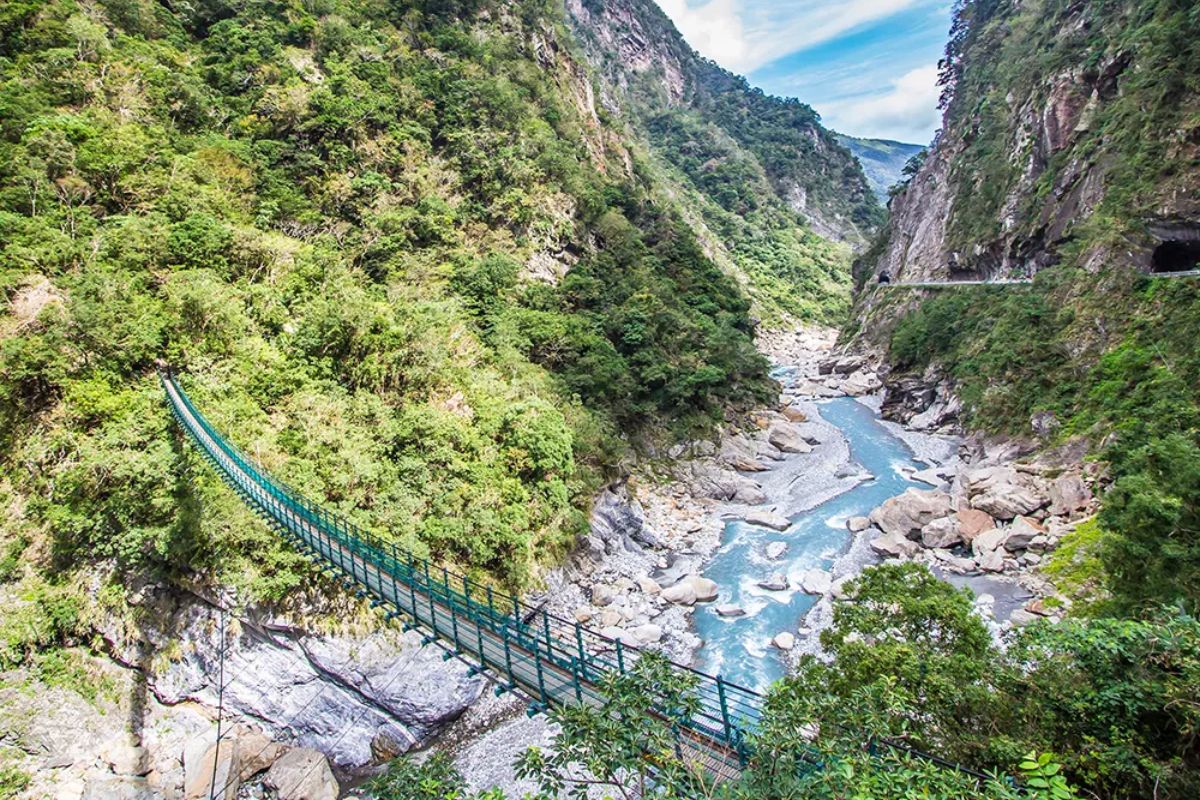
[(396, 248), (1070, 152), (763, 181)]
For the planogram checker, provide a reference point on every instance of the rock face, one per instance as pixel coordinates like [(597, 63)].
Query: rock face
[(342, 695), (619, 523), (637, 52), (908, 513), (302, 774)]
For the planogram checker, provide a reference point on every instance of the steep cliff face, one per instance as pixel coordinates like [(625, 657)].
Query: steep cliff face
[(1070, 153), (1069, 126), (651, 71)]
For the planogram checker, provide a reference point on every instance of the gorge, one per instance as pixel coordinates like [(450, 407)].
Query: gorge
[(540, 297)]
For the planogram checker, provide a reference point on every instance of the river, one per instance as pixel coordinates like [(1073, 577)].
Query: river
[(739, 648)]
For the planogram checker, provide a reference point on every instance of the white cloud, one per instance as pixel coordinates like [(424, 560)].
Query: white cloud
[(744, 36), (905, 110)]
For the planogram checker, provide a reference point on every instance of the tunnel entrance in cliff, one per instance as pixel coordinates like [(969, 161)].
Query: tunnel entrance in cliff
[(1176, 255), (1178, 248)]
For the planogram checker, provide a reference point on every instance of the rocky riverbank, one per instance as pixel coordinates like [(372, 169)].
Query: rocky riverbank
[(987, 520)]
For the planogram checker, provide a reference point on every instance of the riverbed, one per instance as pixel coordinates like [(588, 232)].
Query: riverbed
[(739, 648)]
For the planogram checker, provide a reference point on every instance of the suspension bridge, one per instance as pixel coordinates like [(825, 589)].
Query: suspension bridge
[(525, 650)]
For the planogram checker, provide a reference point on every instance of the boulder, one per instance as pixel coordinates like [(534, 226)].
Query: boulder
[(858, 524), (730, 610), (906, 514), (583, 615), (838, 588), (706, 590), (768, 519), (1002, 492), (648, 585), (816, 581), (1068, 493), (846, 365), (610, 618), (992, 561), (941, 533), (784, 641), (931, 476), (894, 545), (972, 522), (775, 550), (956, 564), (862, 382), (1023, 531), (988, 541), (690, 590), (739, 453), (787, 437), (749, 492), (775, 583), (793, 414), (648, 633), (601, 594), (620, 635), (199, 765), (680, 594)]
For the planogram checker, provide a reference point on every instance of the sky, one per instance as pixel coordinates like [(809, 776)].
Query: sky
[(869, 67)]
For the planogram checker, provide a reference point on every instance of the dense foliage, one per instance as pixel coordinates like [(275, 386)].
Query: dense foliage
[(325, 214), (760, 173), (618, 749)]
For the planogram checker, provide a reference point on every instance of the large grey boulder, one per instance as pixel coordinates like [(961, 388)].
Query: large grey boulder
[(775, 583), (941, 532), (690, 590), (858, 524), (1021, 533), (862, 382), (894, 545), (768, 519), (816, 581), (906, 514), (302, 774), (1003, 492), (788, 438), (347, 696), (988, 541), (1068, 493), (739, 453)]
